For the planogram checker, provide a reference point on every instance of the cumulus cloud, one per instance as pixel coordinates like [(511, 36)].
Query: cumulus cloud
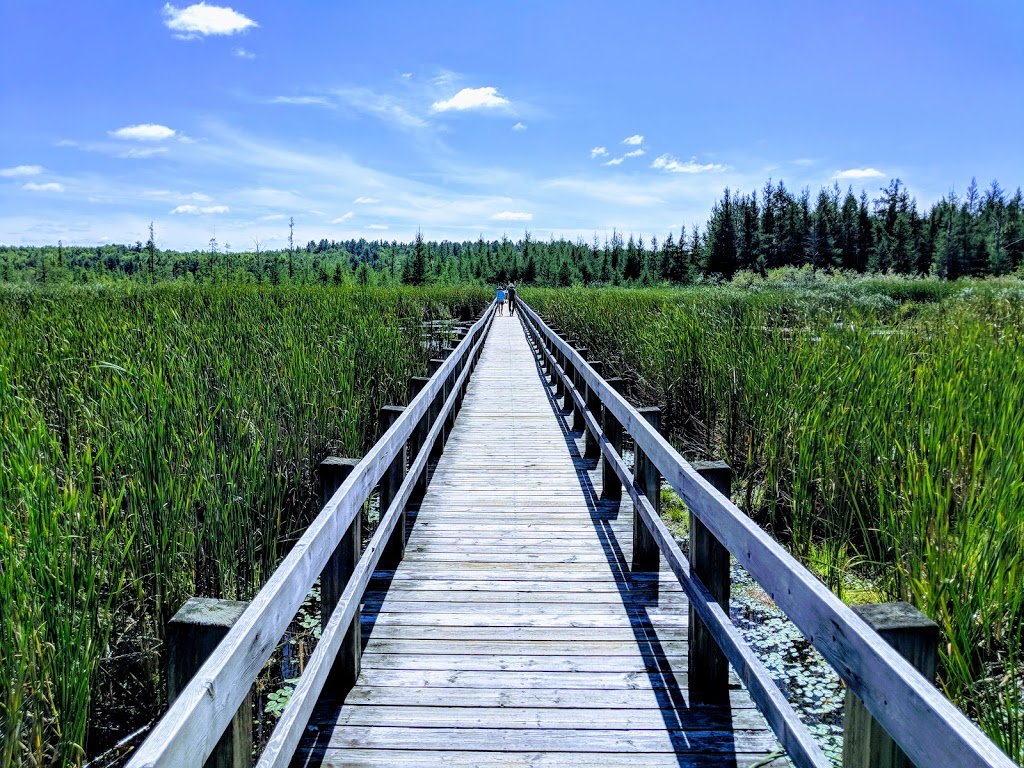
[(635, 153), (366, 200), (144, 132), (519, 127), (195, 209), (860, 173), (512, 216), (203, 19), (48, 187), (343, 217), (21, 170), (615, 161), (670, 164), (241, 53), (319, 101), (472, 98), (635, 140), (598, 152)]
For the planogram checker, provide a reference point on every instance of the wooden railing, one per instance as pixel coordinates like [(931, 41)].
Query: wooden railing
[(908, 706), (189, 731)]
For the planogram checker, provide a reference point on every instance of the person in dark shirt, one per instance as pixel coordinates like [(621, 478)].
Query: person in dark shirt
[(511, 291)]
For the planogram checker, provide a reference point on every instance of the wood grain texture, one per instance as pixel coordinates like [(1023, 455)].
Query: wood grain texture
[(513, 633)]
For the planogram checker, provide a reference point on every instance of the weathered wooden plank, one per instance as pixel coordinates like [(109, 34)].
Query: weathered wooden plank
[(365, 758), (674, 741), (644, 719)]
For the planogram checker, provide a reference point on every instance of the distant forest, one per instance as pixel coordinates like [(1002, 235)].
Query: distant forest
[(979, 233)]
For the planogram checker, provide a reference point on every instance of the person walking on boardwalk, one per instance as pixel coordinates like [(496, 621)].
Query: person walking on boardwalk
[(501, 302), (511, 291)]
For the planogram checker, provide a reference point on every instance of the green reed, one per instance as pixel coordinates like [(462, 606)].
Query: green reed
[(875, 432), (159, 443)]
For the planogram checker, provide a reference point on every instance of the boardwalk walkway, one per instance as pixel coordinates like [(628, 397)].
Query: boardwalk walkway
[(512, 632)]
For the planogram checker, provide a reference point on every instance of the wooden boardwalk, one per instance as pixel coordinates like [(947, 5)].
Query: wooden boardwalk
[(512, 633)]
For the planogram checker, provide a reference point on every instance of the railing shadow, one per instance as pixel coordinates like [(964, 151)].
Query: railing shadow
[(640, 594)]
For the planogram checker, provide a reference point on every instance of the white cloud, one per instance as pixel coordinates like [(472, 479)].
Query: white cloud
[(21, 170), (670, 164), (860, 173), (139, 152), (805, 162), (366, 200), (598, 152), (166, 194), (519, 127), (195, 209), (615, 161), (378, 226), (512, 216), (635, 153), (635, 140), (343, 217), (380, 105), (144, 132), (203, 19), (48, 187), (472, 98), (242, 53), (319, 101)]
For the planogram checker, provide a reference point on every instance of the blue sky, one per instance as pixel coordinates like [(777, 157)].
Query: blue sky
[(375, 119)]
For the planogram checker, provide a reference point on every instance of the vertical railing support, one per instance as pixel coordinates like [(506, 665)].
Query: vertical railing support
[(449, 386), (419, 434), (915, 637), (592, 448), (332, 472), (611, 486), (394, 550), (708, 668), (435, 407), (648, 481), (578, 422), (192, 635)]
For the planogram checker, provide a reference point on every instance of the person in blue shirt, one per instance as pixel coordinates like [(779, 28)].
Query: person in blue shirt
[(501, 301)]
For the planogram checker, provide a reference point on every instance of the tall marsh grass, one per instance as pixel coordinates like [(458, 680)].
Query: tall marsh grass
[(159, 443), (876, 429)]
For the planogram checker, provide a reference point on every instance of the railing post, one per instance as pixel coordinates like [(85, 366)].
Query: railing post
[(578, 422), (332, 472), (916, 638), (449, 386), (192, 635), (592, 446), (391, 481), (435, 407), (559, 382), (611, 486), (647, 478), (419, 433), (709, 560)]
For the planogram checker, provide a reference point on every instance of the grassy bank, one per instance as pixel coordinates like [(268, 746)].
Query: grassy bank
[(875, 426), (158, 443)]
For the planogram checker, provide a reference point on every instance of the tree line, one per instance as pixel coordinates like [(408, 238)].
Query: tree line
[(978, 233)]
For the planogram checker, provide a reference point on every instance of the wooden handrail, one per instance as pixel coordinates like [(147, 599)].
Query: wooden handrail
[(189, 730), (288, 732), (923, 722), (791, 732)]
